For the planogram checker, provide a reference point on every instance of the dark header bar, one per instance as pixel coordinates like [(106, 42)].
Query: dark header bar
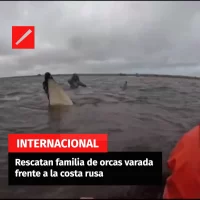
[(113, 168)]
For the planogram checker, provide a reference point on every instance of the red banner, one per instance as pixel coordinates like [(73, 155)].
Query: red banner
[(57, 143)]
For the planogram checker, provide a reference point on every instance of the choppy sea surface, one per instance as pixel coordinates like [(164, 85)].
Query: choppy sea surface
[(150, 115)]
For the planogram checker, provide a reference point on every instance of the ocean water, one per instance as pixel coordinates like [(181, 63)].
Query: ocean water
[(150, 115)]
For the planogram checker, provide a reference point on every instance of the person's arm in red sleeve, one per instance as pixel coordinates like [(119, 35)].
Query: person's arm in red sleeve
[(184, 163)]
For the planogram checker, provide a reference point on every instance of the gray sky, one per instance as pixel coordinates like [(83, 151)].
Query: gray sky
[(103, 37)]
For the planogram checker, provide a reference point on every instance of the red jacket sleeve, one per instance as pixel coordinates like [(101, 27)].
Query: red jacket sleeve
[(184, 163)]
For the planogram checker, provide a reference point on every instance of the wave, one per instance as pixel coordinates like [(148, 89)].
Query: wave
[(7, 98)]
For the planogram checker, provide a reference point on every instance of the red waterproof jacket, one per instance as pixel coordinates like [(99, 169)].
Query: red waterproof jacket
[(184, 163)]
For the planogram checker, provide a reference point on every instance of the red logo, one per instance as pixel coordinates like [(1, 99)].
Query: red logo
[(23, 37)]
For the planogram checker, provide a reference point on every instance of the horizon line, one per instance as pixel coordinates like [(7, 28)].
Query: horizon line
[(112, 74)]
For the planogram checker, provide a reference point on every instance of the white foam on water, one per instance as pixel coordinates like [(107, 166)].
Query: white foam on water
[(7, 98)]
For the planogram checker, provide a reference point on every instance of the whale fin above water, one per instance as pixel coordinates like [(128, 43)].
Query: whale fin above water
[(124, 87), (57, 96)]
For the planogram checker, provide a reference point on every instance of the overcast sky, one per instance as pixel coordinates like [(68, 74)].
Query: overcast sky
[(103, 37)]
